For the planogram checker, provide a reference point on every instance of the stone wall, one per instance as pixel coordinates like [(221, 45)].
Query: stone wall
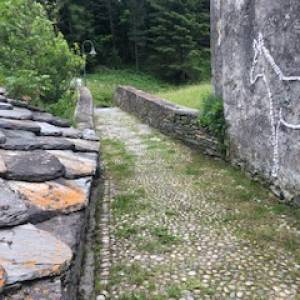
[(48, 172), (256, 69), (178, 122)]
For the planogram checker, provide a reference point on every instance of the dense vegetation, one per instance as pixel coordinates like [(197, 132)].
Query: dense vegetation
[(35, 61), (167, 37)]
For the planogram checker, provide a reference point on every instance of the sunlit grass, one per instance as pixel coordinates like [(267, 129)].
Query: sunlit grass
[(104, 82), (191, 95)]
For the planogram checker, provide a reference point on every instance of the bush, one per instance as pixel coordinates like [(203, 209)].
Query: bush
[(212, 117), (35, 60)]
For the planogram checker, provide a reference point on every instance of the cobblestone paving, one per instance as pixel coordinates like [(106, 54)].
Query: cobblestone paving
[(173, 233)]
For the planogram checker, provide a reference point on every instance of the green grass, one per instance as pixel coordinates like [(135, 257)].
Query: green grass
[(119, 162), (191, 95), (104, 82)]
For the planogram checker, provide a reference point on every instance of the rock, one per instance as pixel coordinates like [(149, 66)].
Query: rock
[(66, 228), (24, 140), (17, 114), (3, 99), (48, 118), (89, 134), (72, 133), (37, 290), (56, 197), (51, 130), (3, 168), (19, 125), (77, 164), (34, 166), (85, 146), (2, 91), (5, 106), (3, 278), (2, 138), (13, 209), (48, 129), (27, 253)]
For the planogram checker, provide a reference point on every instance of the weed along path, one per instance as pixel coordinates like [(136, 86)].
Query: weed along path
[(183, 226)]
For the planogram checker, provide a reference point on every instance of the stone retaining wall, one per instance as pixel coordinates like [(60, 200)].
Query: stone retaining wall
[(47, 182), (173, 120)]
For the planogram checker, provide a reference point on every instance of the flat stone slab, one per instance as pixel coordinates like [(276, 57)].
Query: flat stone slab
[(5, 106), (67, 228), (2, 137), (17, 113), (51, 130), (85, 146), (89, 134), (19, 125), (2, 90), (72, 133), (42, 289), (59, 196), (48, 129), (3, 99), (13, 209), (25, 140), (36, 166), (3, 278), (77, 164), (27, 253), (48, 118)]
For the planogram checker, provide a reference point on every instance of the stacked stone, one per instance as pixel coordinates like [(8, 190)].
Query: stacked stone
[(173, 120), (46, 174)]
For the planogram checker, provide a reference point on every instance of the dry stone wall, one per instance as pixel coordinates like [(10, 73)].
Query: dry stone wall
[(256, 69), (173, 120), (47, 171)]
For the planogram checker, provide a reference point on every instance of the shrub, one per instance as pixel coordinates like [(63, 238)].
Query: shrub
[(35, 60), (212, 117)]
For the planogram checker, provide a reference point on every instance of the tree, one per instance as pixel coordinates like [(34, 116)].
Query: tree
[(174, 36), (35, 61)]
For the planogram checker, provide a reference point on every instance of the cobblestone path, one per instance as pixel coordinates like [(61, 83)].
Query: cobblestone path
[(184, 226)]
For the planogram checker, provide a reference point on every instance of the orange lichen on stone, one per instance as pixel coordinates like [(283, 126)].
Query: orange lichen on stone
[(30, 263), (52, 195), (2, 278)]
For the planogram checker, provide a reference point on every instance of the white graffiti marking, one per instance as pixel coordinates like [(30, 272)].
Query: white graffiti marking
[(276, 119)]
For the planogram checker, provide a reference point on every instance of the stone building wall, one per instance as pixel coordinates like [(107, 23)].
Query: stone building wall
[(178, 122), (256, 69)]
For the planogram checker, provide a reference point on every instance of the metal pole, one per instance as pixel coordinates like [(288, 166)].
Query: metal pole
[(92, 53)]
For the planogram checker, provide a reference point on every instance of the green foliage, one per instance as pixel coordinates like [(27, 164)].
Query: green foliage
[(35, 61), (178, 39), (212, 117)]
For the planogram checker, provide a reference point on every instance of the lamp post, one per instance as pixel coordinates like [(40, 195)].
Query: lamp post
[(92, 53)]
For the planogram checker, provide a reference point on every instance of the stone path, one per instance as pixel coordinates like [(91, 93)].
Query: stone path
[(183, 226)]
